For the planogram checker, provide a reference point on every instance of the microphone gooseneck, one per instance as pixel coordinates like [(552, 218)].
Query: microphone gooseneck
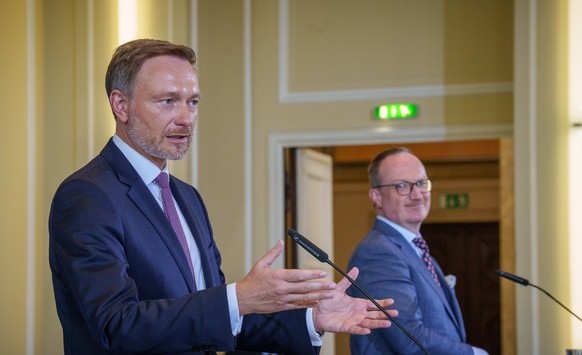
[(323, 257), (526, 282)]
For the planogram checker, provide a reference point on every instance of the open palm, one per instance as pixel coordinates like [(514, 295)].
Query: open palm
[(345, 314)]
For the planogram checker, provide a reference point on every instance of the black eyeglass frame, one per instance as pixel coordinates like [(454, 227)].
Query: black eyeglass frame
[(399, 187)]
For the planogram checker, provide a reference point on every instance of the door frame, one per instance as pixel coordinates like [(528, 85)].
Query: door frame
[(279, 141)]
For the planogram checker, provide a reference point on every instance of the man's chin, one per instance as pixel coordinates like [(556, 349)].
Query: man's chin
[(177, 156), (176, 152), (168, 155)]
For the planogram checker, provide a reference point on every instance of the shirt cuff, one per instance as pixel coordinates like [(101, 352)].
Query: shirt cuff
[(235, 318), (316, 339)]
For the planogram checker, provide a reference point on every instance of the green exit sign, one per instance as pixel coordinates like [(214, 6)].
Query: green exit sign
[(454, 201), (395, 111)]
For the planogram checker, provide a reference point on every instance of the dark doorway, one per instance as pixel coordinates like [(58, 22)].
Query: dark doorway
[(466, 240), (470, 251)]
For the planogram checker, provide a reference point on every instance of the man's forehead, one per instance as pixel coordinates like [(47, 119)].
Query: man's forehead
[(167, 70), (166, 63), (401, 164)]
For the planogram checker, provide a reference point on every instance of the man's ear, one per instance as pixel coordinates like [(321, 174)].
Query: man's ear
[(375, 197), (120, 105)]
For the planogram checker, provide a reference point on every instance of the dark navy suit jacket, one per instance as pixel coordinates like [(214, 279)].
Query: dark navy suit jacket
[(122, 283), (390, 268)]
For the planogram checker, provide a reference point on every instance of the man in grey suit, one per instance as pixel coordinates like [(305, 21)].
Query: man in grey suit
[(392, 262)]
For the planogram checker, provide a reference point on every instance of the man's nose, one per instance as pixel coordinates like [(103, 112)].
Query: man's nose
[(186, 115), (415, 191)]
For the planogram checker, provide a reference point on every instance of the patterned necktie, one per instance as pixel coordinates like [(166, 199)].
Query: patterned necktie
[(163, 182), (421, 243)]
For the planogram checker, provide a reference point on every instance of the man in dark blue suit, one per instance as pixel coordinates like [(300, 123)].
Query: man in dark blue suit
[(135, 266), (392, 262)]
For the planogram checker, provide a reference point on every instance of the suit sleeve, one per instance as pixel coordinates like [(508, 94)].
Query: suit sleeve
[(275, 333), (384, 274)]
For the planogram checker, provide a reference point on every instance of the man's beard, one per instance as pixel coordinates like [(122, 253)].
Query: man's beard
[(141, 136)]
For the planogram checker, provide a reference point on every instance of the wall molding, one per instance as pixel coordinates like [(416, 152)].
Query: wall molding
[(533, 167), (248, 136), (285, 96), (31, 198), (194, 149)]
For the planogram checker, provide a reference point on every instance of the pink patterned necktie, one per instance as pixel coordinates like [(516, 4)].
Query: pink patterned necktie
[(163, 182), (421, 243)]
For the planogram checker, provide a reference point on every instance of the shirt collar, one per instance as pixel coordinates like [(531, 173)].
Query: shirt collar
[(145, 168), (408, 235)]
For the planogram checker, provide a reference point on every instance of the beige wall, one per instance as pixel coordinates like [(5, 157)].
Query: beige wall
[(552, 200), (221, 128), (14, 224), (342, 60), (387, 47)]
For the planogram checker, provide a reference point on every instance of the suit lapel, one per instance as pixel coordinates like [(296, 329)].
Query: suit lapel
[(452, 301), (416, 262), (147, 204), (211, 276)]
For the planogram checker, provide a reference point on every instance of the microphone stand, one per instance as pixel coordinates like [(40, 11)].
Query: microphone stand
[(525, 282), (323, 257)]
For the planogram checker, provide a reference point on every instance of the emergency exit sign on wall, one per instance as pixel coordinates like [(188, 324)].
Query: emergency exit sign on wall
[(395, 112), (453, 201)]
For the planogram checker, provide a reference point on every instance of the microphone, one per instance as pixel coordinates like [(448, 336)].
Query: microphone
[(513, 277), (323, 257), (525, 282)]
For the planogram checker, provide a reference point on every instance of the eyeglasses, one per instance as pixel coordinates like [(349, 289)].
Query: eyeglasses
[(405, 188)]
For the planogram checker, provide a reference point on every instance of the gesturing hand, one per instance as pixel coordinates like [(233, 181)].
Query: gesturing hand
[(266, 290), (346, 314)]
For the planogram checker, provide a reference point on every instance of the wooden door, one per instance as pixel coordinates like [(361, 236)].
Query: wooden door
[(470, 251)]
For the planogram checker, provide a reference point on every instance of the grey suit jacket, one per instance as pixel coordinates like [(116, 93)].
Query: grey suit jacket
[(390, 268)]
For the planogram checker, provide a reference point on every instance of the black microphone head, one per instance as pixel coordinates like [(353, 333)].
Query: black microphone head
[(512, 277), (307, 245), (322, 256)]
